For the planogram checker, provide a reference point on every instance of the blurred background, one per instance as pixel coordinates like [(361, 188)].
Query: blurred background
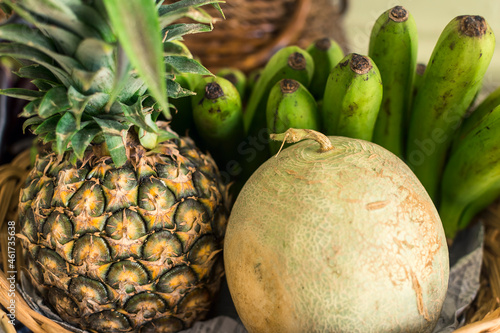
[(431, 16)]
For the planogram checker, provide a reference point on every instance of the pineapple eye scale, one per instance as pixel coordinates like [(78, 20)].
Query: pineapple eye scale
[(91, 249), (162, 243), (127, 274), (180, 279), (125, 223), (108, 321), (82, 287)]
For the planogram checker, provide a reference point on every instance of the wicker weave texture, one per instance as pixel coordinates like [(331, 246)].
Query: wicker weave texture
[(254, 29)]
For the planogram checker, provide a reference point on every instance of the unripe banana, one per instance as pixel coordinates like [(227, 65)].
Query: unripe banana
[(451, 80), (393, 47), (471, 178), (352, 98), (252, 79), (476, 115), (326, 54), (236, 77), (291, 62), (290, 105), (417, 82), (218, 117)]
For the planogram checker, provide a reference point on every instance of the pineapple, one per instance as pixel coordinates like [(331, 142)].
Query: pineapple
[(122, 221)]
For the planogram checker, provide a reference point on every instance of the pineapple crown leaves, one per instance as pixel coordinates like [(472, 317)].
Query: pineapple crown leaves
[(100, 68)]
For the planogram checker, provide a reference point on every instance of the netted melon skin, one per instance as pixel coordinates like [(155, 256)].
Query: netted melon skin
[(341, 241), (135, 248)]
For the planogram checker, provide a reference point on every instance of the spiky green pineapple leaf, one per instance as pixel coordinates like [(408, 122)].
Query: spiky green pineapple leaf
[(53, 102), (165, 135), (65, 129), (136, 115), (43, 85), (180, 64), (36, 72), (116, 148), (148, 139), (127, 84), (49, 138), (65, 40), (33, 121), (82, 139), (95, 54), (78, 103), (176, 47), (111, 126), (114, 134), (31, 109), (101, 80), (21, 34), (47, 126), (93, 18), (175, 90), (54, 11), (92, 105), (26, 94), (23, 52), (140, 37), (176, 31), (189, 3), (196, 14)]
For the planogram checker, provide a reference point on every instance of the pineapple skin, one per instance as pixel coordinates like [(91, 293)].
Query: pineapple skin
[(136, 248)]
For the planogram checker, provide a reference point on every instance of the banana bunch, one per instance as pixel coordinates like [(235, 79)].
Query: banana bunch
[(424, 112)]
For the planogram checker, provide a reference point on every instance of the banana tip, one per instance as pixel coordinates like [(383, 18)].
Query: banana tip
[(360, 64), (213, 90), (288, 86), (323, 44), (297, 61), (398, 14), (473, 25)]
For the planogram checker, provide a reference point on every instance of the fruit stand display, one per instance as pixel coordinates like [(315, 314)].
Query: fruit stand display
[(181, 172)]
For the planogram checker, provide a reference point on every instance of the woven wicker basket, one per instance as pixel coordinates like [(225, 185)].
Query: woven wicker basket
[(483, 315), (254, 29)]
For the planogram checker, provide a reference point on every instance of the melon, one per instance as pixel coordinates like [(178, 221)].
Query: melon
[(335, 234)]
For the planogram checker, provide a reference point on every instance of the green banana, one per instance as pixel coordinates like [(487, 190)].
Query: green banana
[(291, 62), (471, 178), (236, 77), (218, 117), (474, 118), (451, 80), (417, 82), (289, 105), (326, 54), (252, 78), (418, 77), (393, 47), (352, 98)]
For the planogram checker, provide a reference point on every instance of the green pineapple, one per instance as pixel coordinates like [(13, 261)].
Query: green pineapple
[(122, 220)]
